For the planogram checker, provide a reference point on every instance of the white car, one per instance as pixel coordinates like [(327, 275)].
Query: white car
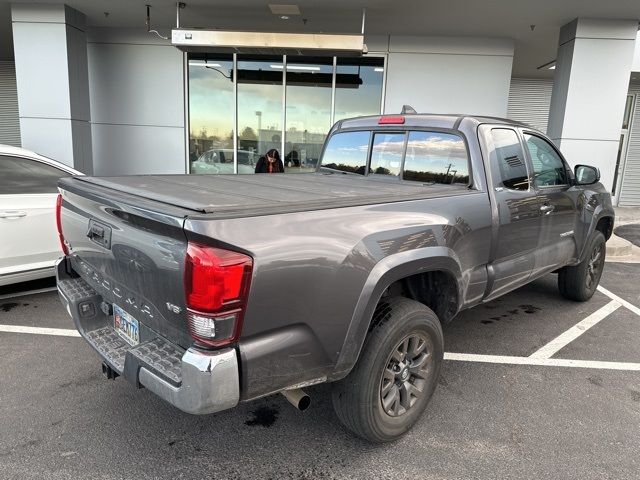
[(29, 245), (220, 161)]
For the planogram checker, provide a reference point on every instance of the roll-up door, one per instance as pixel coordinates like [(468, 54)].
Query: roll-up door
[(529, 100), (630, 191), (9, 118)]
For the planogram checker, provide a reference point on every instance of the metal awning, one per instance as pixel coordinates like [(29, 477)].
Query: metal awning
[(268, 43)]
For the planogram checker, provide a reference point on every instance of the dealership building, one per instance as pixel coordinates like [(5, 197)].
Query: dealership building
[(117, 88)]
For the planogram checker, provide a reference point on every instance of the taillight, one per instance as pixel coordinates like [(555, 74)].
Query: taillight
[(216, 288), (63, 244)]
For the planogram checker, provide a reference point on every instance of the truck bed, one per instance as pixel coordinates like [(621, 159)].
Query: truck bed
[(229, 196)]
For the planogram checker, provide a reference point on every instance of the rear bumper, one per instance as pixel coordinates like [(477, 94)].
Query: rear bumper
[(195, 381)]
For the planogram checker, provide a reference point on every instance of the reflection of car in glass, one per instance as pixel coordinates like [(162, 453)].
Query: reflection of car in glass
[(28, 191), (221, 161)]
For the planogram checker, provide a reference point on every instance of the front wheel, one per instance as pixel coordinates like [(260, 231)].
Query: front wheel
[(396, 374), (579, 282)]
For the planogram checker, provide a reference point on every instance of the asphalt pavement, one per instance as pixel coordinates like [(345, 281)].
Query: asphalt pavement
[(489, 417)]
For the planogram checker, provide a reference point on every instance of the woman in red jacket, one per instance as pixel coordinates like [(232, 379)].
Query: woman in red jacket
[(270, 163)]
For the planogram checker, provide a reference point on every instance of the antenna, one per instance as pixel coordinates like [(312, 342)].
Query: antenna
[(408, 110)]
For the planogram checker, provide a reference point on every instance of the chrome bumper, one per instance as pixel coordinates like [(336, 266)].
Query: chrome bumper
[(210, 382), (195, 381)]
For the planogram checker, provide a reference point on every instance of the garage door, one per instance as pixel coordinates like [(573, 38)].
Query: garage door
[(529, 100), (630, 191), (9, 119)]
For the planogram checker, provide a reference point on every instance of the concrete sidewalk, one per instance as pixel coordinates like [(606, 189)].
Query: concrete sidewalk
[(619, 249)]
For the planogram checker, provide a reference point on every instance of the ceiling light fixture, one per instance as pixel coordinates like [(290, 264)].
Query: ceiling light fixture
[(201, 64), (284, 17), (296, 67), (378, 69)]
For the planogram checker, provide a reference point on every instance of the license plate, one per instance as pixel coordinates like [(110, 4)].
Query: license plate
[(126, 326)]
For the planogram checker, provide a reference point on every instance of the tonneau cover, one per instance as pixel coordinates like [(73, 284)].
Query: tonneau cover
[(264, 194)]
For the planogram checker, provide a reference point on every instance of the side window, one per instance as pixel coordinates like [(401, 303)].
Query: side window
[(347, 152), (434, 157), (386, 154), (21, 175), (509, 168), (548, 167)]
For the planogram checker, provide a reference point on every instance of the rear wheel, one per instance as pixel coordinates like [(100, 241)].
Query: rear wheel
[(579, 282), (396, 374)]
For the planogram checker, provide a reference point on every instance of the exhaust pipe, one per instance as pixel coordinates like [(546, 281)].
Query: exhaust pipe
[(297, 398), (108, 372)]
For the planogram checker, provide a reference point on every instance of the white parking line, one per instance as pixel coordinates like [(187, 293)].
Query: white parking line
[(562, 340), (457, 357), (541, 357), (543, 362), (29, 292), (62, 332), (621, 301)]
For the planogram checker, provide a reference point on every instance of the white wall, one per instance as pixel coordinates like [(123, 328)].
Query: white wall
[(51, 71), (449, 75), (591, 82), (635, 67), (136, 88)]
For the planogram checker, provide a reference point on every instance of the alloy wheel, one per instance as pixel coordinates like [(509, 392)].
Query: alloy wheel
[(405, 375)]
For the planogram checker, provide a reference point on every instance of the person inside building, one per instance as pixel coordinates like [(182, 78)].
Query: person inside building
[(292, 159), (270, 163)]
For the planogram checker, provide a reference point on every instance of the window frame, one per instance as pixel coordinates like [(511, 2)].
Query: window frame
[(331, 134), (567, 169), (527, 163), (66, 173), (394, 131), (452, 132), (406, 129)]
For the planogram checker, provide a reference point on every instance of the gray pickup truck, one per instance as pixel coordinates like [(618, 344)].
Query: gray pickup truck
[(215, 290)]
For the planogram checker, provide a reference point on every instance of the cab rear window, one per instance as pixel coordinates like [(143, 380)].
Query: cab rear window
[(347, 152), (420, 156), (435, 157)]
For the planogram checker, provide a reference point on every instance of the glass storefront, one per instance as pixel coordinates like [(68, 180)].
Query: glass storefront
[(211, 107), (283, 103), (259, 108), (358, 87), (308, 112)]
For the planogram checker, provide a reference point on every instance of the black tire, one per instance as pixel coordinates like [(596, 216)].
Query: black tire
[(358, 398), (579, 282)]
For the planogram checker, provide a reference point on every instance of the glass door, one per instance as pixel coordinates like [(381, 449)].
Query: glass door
[(243, 106), (211, 109), (308, 113), (260, 105)]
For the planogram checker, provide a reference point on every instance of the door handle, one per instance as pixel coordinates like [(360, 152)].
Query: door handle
[(547, 209), (12, 213)]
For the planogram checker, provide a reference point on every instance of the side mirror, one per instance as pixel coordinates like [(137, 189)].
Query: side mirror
[(586, 175)]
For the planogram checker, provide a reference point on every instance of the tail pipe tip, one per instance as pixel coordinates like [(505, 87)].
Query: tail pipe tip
[(297, 398)]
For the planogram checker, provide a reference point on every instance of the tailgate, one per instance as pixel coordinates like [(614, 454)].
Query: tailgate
[(131, 250)]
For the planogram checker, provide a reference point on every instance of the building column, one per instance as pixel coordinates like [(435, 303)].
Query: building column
[(590, 86), (50, 49)]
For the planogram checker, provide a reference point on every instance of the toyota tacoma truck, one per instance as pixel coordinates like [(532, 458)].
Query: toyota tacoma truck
[(214, 290)]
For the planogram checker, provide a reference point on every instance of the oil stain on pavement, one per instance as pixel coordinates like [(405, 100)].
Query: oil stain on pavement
[(263, 416), (529, 309)]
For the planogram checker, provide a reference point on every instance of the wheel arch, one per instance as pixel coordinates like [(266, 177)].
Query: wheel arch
[(395, 270)]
